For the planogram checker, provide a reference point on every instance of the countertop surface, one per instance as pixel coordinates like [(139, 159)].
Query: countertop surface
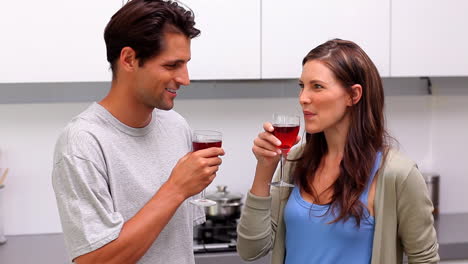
[(452, 232)]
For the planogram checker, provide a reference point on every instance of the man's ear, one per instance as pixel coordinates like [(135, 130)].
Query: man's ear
[(127, 60), (356, 94)]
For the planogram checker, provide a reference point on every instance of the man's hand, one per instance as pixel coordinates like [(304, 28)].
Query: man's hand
[(195, 171)]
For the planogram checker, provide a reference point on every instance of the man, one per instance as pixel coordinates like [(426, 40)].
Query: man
[(123, 171)]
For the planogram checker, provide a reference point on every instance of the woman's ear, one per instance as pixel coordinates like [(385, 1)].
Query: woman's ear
[(356, 94)]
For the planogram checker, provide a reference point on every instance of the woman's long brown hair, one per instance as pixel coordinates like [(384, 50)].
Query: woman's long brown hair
[(366, 136)]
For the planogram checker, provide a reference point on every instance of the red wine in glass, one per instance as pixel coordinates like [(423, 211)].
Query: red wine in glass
[(286, 128), (204, 145), (203, 139), (287, 134)]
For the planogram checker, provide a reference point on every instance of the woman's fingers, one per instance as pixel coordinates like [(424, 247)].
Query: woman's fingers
[(297, 139), (267, 141), (264, 152), (270, 138), (268, 127)]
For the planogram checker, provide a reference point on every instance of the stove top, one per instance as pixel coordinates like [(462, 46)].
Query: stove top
[(215, 236), (214, 247)]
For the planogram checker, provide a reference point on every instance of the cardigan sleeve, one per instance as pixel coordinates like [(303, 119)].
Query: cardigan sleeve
[(260, 226), (415, 221), (256, 229)]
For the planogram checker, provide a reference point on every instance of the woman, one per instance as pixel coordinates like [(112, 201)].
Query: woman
[(355, 200)]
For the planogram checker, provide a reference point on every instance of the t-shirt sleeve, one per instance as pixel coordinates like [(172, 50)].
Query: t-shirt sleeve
[(85, 205)]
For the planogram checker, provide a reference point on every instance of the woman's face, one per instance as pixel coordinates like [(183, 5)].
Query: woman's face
[(323, 99)]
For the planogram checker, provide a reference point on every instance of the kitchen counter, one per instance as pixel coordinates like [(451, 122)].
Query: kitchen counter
[(452, 231), (50, 249)]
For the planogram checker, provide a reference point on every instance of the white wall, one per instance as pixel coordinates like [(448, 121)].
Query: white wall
[(450, 145), (431, 129), (27, 138)]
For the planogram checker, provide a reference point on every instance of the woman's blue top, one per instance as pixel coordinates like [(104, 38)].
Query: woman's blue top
[(310, 239)]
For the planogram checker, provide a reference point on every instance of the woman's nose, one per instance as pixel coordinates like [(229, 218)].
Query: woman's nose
[(304, 97)]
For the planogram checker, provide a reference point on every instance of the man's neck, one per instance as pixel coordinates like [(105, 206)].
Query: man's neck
[(126, 108)]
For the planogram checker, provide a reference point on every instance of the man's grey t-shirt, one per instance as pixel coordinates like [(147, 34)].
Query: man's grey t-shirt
[(105, 172)]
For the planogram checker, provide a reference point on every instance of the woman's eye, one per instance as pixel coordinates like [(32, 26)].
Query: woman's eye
[(301, 85), (318, 86)]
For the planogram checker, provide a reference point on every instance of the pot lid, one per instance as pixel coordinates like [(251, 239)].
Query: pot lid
[(222, 194)]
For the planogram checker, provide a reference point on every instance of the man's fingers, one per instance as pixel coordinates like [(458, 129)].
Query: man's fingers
[(210, 152), (214, 161)]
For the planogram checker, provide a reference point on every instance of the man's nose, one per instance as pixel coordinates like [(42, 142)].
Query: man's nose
[(182, 77)]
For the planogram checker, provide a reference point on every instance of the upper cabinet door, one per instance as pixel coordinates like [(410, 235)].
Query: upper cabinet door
[(229, 44), (290, 29), (429, 38), (54, 40)]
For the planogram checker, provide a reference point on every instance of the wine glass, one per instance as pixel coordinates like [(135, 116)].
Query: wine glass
[(203, 139), (286, 130)]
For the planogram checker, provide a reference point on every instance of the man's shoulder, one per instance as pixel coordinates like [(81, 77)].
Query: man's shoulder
[(83, 124), (171, 118), (86, 119), (78, 132), (169, 115)]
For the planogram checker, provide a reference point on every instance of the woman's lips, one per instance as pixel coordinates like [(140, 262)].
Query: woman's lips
[(309, 115)]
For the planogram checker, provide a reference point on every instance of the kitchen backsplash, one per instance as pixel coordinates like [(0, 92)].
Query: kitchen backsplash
[(431, 129)]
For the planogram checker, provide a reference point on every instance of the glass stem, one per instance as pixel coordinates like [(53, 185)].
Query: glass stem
[(202, 196), (283, 160)]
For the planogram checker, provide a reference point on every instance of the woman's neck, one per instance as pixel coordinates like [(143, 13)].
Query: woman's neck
[(336, 139)]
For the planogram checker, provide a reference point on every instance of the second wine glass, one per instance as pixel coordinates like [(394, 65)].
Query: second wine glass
[(203, 139), (286, 128)]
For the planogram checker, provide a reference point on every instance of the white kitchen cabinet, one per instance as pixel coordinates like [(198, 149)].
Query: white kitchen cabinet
[(54, 40), (291, 29), (229, 44), (429, 38)]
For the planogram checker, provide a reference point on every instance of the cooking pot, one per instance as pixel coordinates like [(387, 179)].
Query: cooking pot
[(432, 183), (228, 205)]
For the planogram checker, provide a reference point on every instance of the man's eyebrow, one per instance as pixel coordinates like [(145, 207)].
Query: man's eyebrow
[(177, 61)]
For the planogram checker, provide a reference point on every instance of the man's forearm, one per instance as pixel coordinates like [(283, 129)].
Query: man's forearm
[(140, 231)]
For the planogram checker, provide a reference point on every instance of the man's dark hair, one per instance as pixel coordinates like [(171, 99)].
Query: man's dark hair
[(141, 24)]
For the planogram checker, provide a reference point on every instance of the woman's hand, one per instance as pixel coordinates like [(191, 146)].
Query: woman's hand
[(265, 147), (266, 150)]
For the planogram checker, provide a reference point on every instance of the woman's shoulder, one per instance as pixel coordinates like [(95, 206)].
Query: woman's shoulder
[(296, 151), (397, 166)]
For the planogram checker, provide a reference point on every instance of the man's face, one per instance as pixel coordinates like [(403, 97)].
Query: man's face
[(159, 79)]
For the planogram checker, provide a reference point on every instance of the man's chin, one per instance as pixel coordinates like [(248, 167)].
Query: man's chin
[(165, 107)]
